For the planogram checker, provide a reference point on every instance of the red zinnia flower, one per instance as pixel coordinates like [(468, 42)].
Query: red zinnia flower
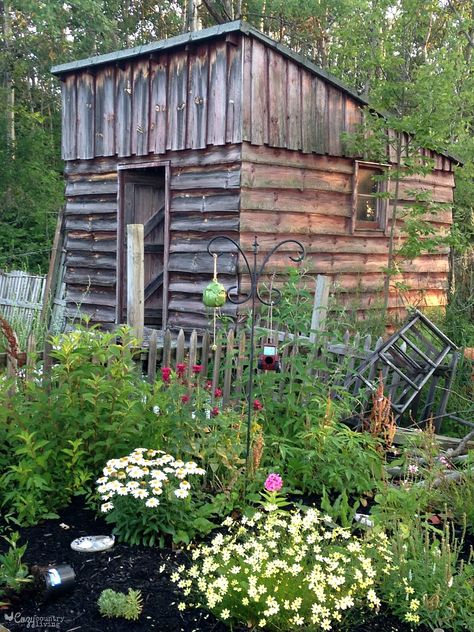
[(208, 385), (218, 392), (180, 369), (165, 373), (185, 399), (257, 404), (215, 411), (197, 368)]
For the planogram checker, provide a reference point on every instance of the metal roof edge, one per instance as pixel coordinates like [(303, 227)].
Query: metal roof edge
[(144, 49)]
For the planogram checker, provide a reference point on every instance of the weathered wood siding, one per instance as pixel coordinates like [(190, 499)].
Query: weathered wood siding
[(287, 105), (187, 99), (307, 197), (204, 202)]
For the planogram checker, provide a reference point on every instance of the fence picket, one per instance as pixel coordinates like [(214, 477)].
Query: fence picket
[(205, 352), (180, 347), (167, 348)]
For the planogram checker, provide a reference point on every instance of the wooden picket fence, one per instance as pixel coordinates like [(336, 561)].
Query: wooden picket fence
[(21, 297), (225, 363)]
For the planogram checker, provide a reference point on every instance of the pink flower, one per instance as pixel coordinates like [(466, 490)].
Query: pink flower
[(197, 368), (218, 392), (214, 411), (185, 399), (208, 385), (412, 469), (273, 483), (257, 404), (180, 369), (165, 373)]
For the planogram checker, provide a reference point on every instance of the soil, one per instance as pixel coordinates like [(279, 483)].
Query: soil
[(120, 568)]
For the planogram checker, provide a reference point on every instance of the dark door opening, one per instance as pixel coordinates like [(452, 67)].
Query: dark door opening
[(144, 201)]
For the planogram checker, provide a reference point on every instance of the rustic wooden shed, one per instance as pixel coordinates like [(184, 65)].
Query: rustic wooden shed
[(222, 131)]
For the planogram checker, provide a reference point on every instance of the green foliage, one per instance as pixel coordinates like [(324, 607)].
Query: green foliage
[(13, 572), (283, 570), (432, 585), (59, 429), (128, 605)]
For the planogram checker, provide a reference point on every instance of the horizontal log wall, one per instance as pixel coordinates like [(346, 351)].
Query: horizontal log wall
[(306, 197), (184, 99), (204, 202)]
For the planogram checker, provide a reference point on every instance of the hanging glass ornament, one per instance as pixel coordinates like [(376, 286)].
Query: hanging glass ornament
[(214, 294)]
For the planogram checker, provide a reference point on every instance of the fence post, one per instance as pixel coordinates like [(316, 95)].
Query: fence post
[(136, 279), (152, 353), (320, 306)]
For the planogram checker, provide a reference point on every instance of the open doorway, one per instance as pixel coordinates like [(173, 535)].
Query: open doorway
[(143, 199)]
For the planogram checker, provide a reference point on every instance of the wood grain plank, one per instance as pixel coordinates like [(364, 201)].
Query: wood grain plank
[(247, 94), (85, 116), (69, 118), (293, 223), (198, 98), (216, 112), (177, 100), (211, 178), (307, 201), (140, 108), (234, 93), (157, 138), (294, 106), (336, 120), (205, 203), (198, 224), (123, 119), (262, 176), (308, 112), (321, 145), (277, 86), (259, 94)]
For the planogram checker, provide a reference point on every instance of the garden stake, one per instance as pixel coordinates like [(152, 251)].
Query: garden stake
[(253, 294)]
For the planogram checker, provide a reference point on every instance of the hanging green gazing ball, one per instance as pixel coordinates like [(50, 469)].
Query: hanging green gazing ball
[(214, 294)]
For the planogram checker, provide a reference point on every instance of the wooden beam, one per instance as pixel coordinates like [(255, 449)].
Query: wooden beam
[(135, 279)]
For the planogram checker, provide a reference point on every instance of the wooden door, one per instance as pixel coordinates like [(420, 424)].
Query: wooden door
[(144, 202)]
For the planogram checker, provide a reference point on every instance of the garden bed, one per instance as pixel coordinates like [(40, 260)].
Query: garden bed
[(144, 569)]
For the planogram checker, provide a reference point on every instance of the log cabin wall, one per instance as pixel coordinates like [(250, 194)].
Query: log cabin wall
[(253, 135), (204, 201), (288, 195)]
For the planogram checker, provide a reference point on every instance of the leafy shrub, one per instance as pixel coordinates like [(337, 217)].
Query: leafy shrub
[(13, 572), (59, 429), (431, 584), (117, 604), (146, 495), (281, 571)]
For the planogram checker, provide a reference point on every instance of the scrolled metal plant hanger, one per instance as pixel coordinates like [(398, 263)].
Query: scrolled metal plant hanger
[(253, 295)]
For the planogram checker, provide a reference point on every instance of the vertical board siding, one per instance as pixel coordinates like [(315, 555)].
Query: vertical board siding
[(177, 100), (198, 98), (69, 118), (85, 116), (294, 107), (123, 119), (216, 111), (105, 112), (234, 94), (207, 94), (140, 108), (157, 139), (277, 81)]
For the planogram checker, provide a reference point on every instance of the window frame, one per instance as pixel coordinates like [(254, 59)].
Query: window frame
[(381, 223)]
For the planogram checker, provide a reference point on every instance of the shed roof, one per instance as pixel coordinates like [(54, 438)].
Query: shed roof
[(238, 26)]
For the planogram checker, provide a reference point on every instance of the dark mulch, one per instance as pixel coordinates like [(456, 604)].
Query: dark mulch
[(140, 568)]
